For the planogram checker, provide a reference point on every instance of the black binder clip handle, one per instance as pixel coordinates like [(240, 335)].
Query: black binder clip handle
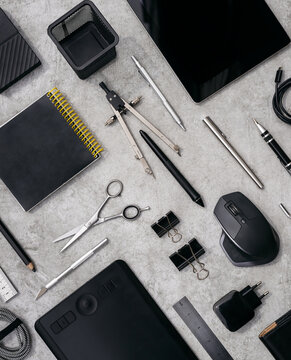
[(186, 255), (167, 224)]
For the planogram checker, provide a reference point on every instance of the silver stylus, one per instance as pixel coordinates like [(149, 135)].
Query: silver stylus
[(219, 134), (74, 266), (167, 105)]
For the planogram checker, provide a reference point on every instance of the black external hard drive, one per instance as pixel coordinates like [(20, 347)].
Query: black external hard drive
[(16, 57), (111, 317)]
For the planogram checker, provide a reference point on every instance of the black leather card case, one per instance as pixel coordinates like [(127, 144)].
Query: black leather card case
[(277, 337)]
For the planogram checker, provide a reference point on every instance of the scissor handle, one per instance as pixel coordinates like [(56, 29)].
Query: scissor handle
[(118, 192), (129, 215)]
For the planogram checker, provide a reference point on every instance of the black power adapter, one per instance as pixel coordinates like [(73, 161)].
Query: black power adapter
[(237, 308)]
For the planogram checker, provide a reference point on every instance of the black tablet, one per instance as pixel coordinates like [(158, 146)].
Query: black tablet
[(111, 317), (209, 43)]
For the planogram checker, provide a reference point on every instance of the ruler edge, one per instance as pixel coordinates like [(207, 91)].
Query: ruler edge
[(176, 305), (10, 283)]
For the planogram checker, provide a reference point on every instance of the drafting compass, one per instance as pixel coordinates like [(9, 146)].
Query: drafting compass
[(120, 106)]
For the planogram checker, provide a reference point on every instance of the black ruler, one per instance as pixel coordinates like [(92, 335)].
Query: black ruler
[(201, 330)]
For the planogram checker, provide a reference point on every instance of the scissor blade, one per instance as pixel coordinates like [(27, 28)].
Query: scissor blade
[(68, 234), (75, 237)]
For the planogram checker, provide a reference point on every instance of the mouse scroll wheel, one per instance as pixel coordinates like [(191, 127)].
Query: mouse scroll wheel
[(233, 209)]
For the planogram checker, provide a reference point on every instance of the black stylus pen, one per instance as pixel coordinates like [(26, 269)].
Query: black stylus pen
[(173, 170), (282, 156)]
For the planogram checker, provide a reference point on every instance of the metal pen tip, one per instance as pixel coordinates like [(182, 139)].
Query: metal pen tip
[(259, 126), (257, 123), (182, 126), (41, 293)]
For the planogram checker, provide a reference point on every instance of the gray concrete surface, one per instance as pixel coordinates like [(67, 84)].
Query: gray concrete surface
[(205, 163)]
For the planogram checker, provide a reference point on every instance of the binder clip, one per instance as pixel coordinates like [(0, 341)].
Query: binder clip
[(186, 255), (166, 225)]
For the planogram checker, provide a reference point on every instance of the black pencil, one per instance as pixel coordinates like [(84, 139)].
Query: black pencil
[(16, 246)]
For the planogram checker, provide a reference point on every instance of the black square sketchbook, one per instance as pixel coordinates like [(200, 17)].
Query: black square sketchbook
[(43, 147), (111, 317)]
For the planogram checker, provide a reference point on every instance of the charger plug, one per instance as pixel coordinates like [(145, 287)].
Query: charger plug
[(237, 308)]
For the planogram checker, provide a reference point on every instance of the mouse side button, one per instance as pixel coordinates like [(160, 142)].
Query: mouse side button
[(227, 219)]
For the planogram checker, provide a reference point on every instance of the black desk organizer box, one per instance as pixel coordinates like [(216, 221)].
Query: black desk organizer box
[(84, 38)]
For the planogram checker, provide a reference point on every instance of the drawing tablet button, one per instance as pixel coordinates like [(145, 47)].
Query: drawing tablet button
[(87, 304)]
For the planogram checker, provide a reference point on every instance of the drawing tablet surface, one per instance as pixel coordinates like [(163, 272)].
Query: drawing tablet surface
[(111, 317), (209, 43), (42, 148)]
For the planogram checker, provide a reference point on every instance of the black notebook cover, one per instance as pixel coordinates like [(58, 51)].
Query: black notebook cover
[(43, 147), (111, 317), (16, 57), (277, 337)]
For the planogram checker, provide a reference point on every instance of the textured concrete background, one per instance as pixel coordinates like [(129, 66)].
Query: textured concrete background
[(205, 163)]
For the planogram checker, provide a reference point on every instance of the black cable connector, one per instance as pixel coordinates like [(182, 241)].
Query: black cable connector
[(280, 91), (278, 76), (237, 308)]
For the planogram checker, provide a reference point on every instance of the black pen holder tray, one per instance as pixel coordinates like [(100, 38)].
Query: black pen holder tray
[(84, 38)]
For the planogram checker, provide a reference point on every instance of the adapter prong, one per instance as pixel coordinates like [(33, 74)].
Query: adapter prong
[(257, 284), (265, 294)]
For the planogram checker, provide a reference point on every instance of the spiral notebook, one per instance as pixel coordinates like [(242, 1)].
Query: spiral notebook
[(43, 147)]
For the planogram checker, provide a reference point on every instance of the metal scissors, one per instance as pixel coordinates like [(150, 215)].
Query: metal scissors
[(130, 212)]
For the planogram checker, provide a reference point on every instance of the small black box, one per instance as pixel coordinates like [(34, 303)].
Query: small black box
[(85, 38)]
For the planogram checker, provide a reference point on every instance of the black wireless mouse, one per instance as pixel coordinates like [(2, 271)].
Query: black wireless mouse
[(247, 237)]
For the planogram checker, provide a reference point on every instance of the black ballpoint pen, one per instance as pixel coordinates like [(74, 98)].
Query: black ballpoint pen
[(282, 156), (173, 170)]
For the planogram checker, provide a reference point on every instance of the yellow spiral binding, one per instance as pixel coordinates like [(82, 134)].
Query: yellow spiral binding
[(74, 121)]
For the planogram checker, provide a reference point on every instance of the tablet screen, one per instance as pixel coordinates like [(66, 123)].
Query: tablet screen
[(209, 43)]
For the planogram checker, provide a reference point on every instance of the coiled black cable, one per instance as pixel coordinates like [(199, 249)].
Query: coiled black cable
[(280, 91), (21, 351)]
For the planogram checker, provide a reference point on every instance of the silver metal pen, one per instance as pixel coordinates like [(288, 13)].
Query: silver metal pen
[(74, 266), (285, 211), (219, 134), (165, 102)]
